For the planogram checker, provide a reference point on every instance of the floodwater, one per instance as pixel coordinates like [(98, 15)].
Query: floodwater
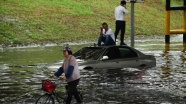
[(23, 68)]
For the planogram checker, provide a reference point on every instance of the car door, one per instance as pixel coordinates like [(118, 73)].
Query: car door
[(128, 57), (120, 57), (110, 63)]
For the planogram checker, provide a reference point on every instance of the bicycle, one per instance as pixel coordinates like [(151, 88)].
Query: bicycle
[(51, 95)]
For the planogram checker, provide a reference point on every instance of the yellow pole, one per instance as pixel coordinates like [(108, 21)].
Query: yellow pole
[(167, 31)]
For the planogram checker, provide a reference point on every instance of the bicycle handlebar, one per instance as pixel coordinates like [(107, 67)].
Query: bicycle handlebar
[(55, 79)]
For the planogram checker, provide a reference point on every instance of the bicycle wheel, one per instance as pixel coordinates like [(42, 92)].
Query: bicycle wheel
[(59, 97), (45, 99)]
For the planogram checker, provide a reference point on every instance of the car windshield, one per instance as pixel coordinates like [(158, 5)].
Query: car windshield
[(89, 53)]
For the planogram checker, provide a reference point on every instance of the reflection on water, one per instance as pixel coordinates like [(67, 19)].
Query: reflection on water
[(22, 69)]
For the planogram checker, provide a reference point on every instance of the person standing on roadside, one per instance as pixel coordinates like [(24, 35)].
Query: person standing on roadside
[(120, 12), (72, 75)]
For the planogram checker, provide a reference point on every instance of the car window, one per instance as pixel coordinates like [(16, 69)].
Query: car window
[(88, 53), (112, 53), (127, 53)]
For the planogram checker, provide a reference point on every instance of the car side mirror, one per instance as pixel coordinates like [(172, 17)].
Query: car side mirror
[(105, 58)]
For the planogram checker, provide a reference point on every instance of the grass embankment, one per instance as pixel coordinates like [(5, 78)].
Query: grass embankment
[(40, 21)]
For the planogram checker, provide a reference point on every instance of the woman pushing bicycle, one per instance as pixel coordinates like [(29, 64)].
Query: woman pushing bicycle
[(72, 74)]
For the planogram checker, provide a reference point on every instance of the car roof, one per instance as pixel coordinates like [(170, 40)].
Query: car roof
[(107, 46)]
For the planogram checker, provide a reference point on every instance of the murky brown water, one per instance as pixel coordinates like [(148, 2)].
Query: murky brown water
[(23, 68)]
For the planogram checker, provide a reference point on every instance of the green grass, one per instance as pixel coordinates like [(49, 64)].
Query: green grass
[(40, 21)]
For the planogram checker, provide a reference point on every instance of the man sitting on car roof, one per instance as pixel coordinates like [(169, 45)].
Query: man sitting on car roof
[(106, 35)]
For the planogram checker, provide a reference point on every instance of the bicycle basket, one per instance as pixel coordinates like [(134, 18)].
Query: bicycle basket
[(48, 86)]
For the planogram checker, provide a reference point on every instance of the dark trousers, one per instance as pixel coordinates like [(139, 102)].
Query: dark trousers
[(72, 90), (107, 40), (120, 26)]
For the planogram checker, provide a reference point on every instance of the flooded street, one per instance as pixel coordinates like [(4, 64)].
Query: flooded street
[(23, 68)]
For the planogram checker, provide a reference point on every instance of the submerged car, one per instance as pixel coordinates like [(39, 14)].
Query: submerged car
[(112, 57)]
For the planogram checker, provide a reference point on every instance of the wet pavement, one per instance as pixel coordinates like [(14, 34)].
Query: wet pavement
[(23, 68)]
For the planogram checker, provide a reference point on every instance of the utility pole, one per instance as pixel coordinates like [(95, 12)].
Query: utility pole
[(132, 19), (132, 24)]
